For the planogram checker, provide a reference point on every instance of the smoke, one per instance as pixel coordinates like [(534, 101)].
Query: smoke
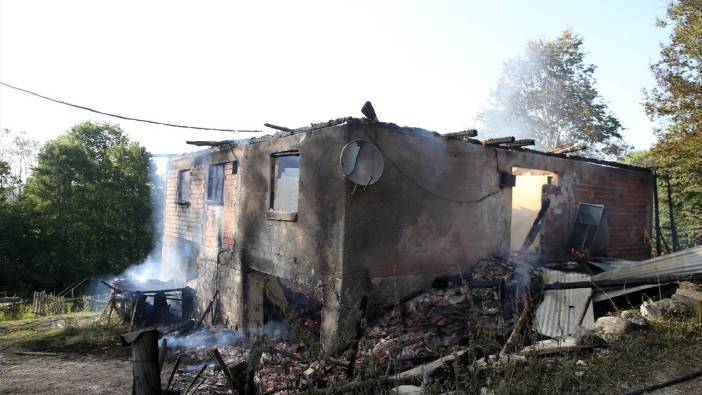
[(207, 338), (148, 275)]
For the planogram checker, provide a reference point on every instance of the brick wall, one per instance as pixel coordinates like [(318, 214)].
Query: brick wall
[(185, 220), (627, 201), (211, 228)]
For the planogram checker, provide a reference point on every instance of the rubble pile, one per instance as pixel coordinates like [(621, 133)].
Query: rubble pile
[(446, 316), (469, 316), (423, 328)]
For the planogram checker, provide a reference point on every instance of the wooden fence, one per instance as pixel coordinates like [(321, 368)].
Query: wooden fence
[(49, 304), (11, 305)]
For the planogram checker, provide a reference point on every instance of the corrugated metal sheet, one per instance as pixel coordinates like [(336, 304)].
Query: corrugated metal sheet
[(611, 293), (559, 312), (688, 261)]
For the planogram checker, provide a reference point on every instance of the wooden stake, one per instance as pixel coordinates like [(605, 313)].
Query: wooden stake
[(175, 368), (196, 377), (162, 351), (207, 310), (518, 327), (225, 369)]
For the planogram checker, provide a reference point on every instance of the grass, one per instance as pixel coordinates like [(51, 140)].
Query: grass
[(666, 349), (69, 333)]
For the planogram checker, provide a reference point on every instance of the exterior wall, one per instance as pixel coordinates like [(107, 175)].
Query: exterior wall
[(628, 201), (240, 240), (437, 210), (627, 195), (210, 229)]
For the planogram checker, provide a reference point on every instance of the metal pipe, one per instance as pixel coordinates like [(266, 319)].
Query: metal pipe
[(656, 214), (673, 229)]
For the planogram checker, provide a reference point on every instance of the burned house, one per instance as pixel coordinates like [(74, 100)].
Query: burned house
[(359, 210)]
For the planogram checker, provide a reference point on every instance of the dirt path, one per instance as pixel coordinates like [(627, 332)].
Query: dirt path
[(64, 374)]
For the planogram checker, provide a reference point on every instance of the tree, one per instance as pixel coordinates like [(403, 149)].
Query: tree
[(549, 94), (675, 104), (87, 203), (19, 152)]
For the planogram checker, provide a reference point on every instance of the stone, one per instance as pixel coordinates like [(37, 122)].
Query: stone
[(406, 390), (665, 308), (649, 311), (671, 307), (612, 326), (635, 319), (689, 286), (588, 337), (691, 298)]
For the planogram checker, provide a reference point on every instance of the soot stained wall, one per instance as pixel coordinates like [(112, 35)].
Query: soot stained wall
[(437, 210)]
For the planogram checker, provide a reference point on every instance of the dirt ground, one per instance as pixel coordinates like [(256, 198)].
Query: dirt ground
[(64, 374)]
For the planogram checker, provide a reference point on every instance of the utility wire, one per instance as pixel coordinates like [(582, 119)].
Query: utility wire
[(173, 125)]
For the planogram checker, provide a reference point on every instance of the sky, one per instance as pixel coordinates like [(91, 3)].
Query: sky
[(236, 65)]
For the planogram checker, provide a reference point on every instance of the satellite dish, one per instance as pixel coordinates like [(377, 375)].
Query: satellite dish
[(362, 162)]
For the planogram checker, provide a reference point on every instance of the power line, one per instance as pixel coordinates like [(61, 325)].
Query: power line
[(173, 125)]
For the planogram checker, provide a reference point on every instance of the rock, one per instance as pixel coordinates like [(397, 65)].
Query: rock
[(634, 318), (691, 298), (406, 390), (665, 308), (672, 307), (612, 326), (588, 337), (649, 311), (689, 286)]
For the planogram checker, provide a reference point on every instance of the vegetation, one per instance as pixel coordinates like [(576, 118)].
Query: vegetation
[(85, 210), (549, 94), (675, 106), (668, 348), (76, 333)]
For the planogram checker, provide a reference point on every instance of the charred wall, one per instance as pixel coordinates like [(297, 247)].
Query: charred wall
[(439, 208), (243, 239)]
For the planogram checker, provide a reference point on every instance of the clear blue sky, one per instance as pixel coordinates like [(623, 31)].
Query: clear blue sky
[(428, 64)]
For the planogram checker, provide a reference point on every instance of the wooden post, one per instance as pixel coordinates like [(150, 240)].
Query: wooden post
[(147, 376), (162, 351)]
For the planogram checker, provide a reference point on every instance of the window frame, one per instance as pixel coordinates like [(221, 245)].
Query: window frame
[(180, 184), (272, 213), (212, 200)]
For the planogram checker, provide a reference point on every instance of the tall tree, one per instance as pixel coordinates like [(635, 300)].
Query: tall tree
[(19, 152), (549, 94), (675, 104), (89, 198)]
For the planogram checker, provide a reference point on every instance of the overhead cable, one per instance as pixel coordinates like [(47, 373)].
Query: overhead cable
[(173, 125)]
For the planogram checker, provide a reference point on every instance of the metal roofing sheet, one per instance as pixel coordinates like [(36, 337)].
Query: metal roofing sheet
[(688, 261), (560, 310)]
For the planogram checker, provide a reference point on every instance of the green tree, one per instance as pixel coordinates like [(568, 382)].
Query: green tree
[(87, 204), (549, 94), (675, 104)]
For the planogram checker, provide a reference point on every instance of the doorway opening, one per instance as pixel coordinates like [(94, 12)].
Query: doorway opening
[(527, 196)]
